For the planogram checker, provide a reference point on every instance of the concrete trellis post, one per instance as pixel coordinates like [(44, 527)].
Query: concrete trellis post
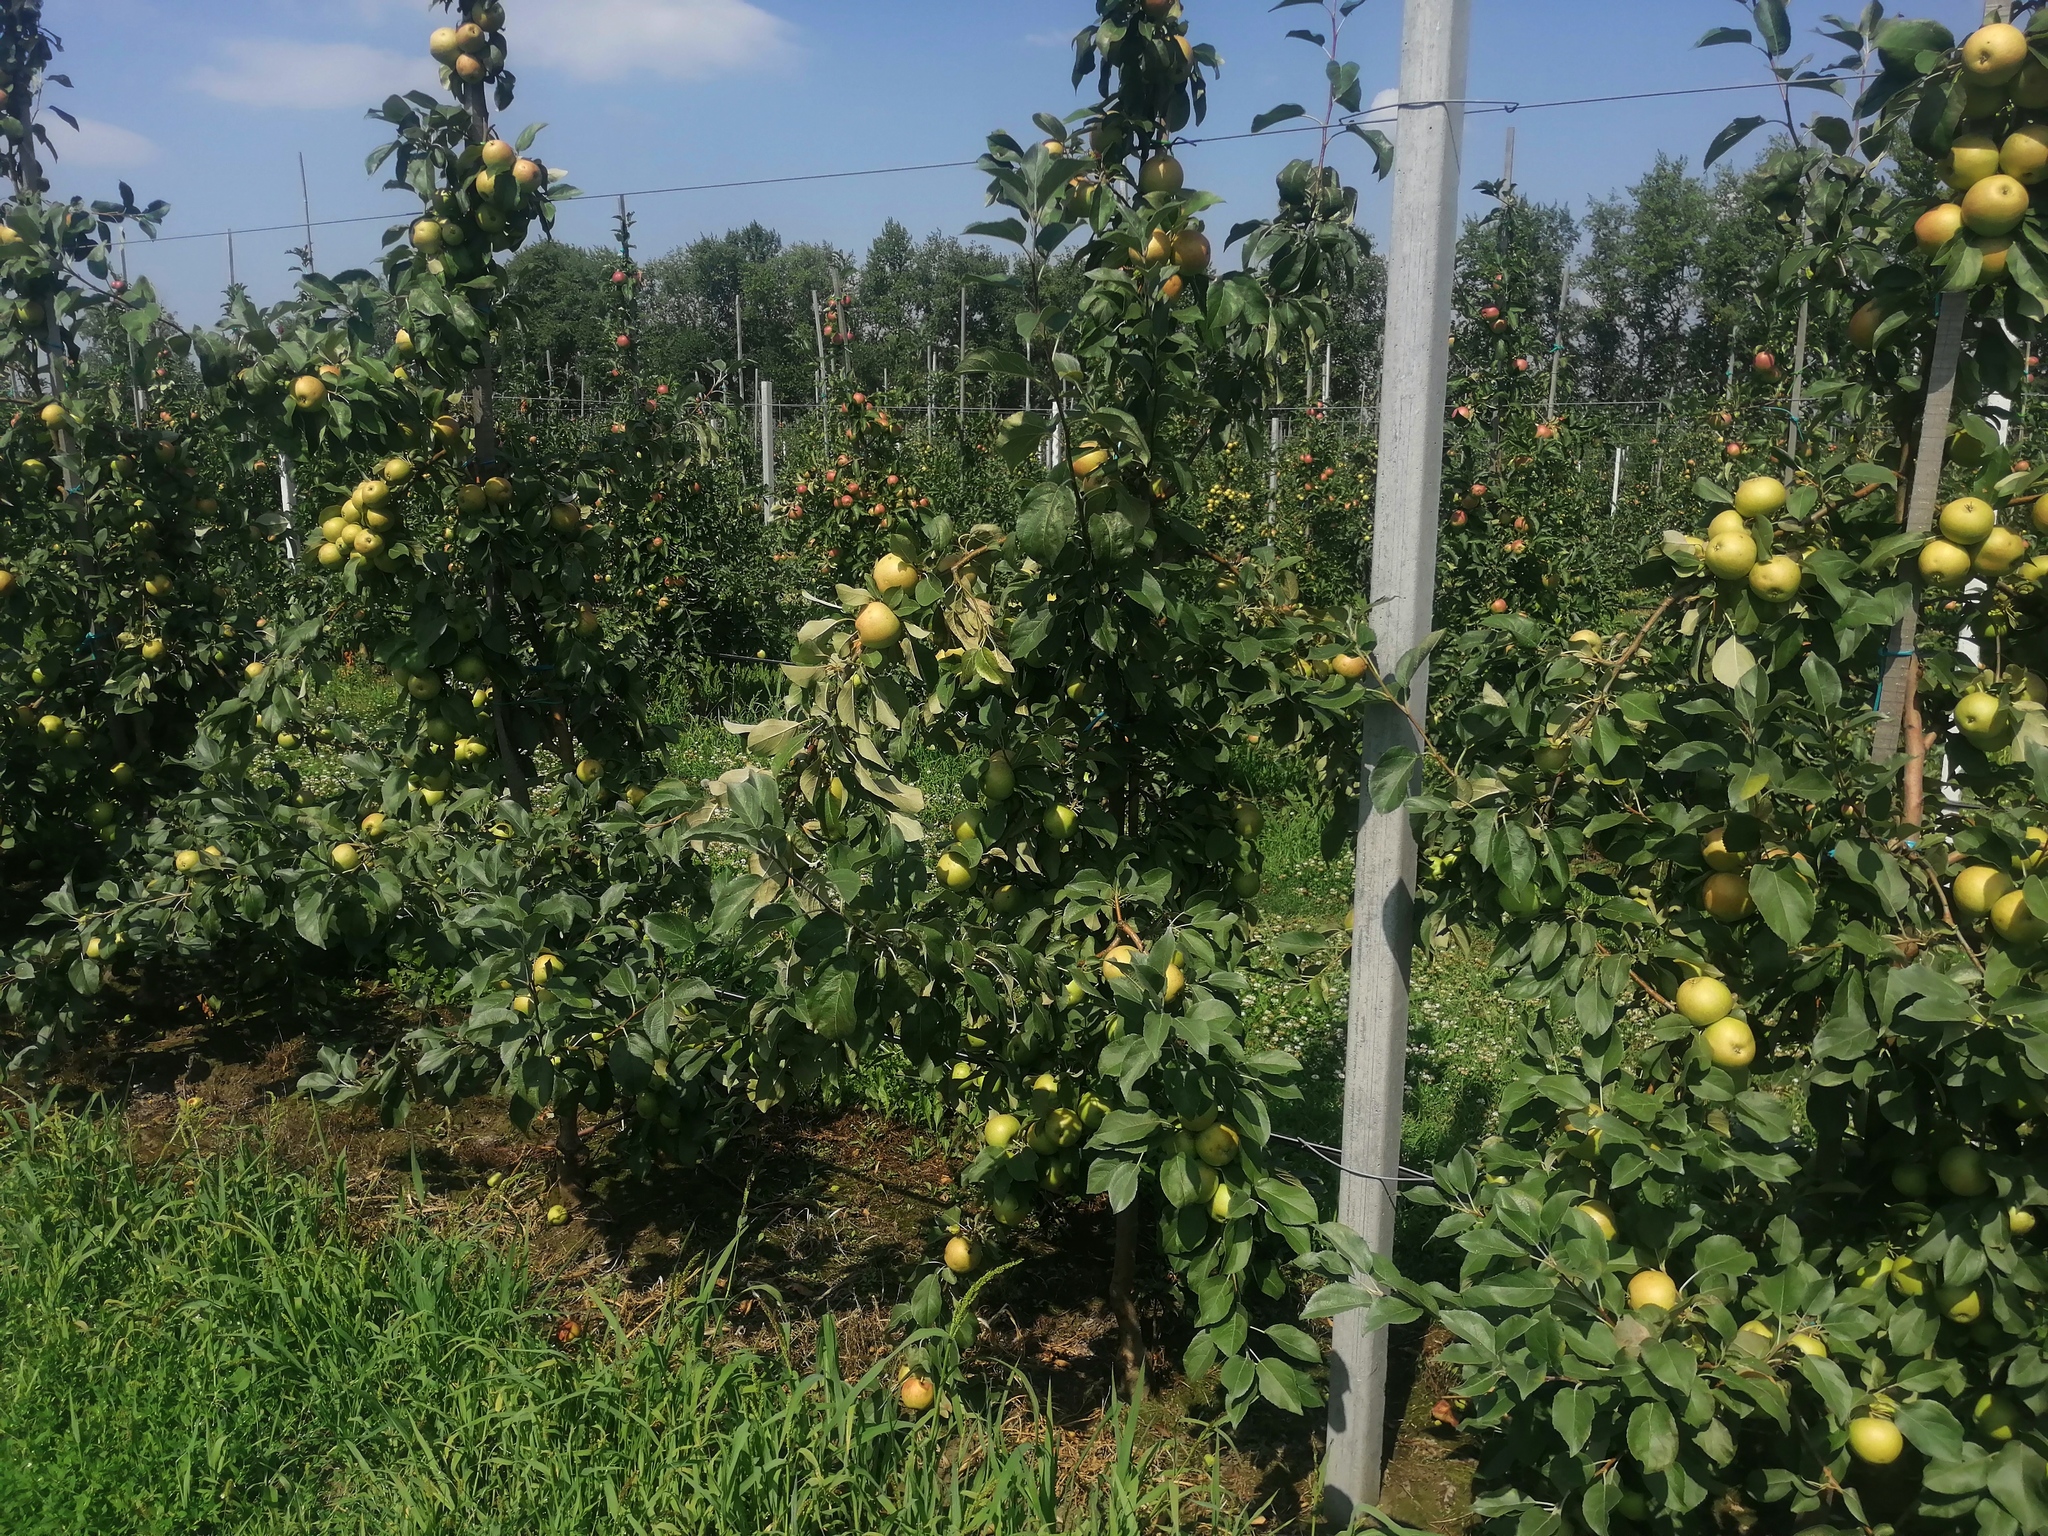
[(1434, 41)]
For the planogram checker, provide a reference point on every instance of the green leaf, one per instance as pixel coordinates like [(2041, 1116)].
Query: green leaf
[(1338, 1297), (1115, 1177), (1010, 230), (1733, 663), (1718, 36), (1285, 1387), (1297, 1343), (1653, 1437), (1047, 522), (1279, 114), (1729, 137), (2017, 1482), (1672, 1363), (1178, 1181), (1774, 24), (671, 930), (1287, 1200), (1123, 1127), (1827, 1379), (1784, 900), (1571, 1411), (1391, 777), (1931, 1429)]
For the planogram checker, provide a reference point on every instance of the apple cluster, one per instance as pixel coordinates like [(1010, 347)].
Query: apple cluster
[(1738, 548), (2001, 155)]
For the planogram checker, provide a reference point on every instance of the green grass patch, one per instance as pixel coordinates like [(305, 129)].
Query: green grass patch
[(220, 1344)]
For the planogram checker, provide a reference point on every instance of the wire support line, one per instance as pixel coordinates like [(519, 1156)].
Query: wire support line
[(1333, 1156), (1503, 104), (1364, 119)]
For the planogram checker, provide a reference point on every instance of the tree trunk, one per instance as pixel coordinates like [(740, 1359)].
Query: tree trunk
[(1123, 1302), (569, 1147)]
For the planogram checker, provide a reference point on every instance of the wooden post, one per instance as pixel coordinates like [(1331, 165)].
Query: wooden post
[(1435, 35), (1893, 695), (135, 388), (818, 325), (963, 357), (766, 391), (288, 502), (1564, 288), (843, 332), (1798, 387), (1273, 435), (306, 204)]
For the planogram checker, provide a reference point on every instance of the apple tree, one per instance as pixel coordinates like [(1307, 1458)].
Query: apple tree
[(1067, 956), (1754, 1236), (120, 626)]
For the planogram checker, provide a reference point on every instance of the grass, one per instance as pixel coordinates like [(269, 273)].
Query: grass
[(221, 1344), (1461, 1033)]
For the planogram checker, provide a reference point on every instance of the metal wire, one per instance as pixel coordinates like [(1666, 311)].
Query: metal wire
[(1333, 1156), (1363, 119)]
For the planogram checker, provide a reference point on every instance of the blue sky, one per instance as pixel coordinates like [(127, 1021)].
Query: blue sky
[(208, 104)]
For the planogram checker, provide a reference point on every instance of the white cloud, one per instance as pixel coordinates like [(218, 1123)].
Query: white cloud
[(1050, 40), (674, 39), (310, 76), (100, 146), (1381, 113)]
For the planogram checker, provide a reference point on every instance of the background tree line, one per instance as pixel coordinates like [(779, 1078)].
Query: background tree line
[(1660, 303)]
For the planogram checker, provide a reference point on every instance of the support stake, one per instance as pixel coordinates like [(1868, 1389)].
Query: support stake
[(1926, 495), (1435, 37)]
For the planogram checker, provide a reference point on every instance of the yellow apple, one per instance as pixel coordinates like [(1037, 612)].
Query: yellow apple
[(1776, 580), (1994, 54), (1704, 1000), (2024, 155), (1999, 554), (1760, 497), (2015, 922), (893, 573), (1652, 1288), (1962, 1172), (1731, 556), (877, 625), (1731, 1043), (1973, 157), (1978, 888), (1995, 206), (963, 1255), (1937, 226), (1718, 855), (1217, 1146), (1876, 1441), (1967, 519), (1726, 896), (1984, 721), (1943, 564)]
